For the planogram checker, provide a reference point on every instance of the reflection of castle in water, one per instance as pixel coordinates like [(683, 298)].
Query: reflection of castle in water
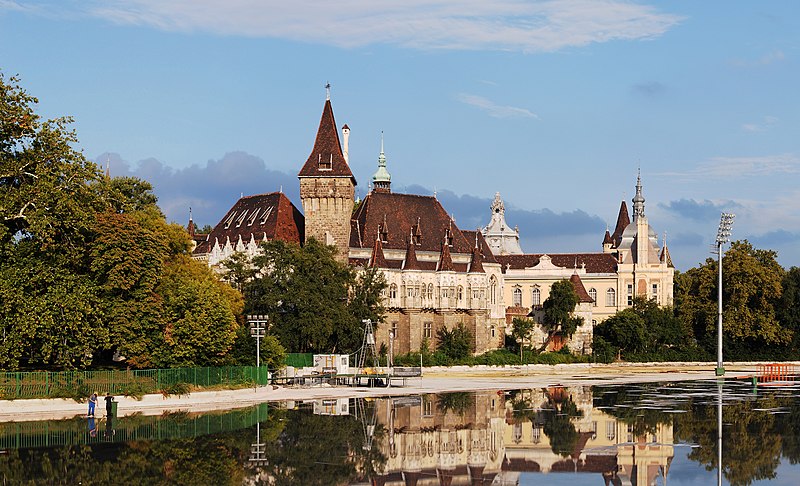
[(492, 438)]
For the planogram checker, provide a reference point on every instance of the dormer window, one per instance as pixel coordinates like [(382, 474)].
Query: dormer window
[(449, 238), (240, 219), (325, 163), (416, 234), (229, 221), (252, 218), (266, 214), (384, 234)]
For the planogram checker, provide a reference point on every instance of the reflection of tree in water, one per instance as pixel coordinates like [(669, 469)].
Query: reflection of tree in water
[(213, 459), (322, 450), (753, 439), (624, 403), (455, 402), (555, 416)]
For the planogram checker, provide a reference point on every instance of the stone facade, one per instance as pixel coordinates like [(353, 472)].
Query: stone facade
[(328, 206)]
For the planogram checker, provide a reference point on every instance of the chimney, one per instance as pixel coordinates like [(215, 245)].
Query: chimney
[(346, 143)]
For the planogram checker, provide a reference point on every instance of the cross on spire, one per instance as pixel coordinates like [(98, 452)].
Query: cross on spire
[(328, 91)]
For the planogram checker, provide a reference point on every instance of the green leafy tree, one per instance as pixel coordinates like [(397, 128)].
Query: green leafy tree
[(315, 303), (752, 290), (558, 309), (625, 330), (456, 343), (237, 270), (521, 331), (788, 311)]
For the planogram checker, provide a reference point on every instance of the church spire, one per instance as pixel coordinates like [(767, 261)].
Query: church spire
[(623, 220), (382, 180), (638, 199)]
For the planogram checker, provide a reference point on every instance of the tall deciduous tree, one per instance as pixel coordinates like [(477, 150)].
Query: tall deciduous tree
[(521, 330), (558, 309), (751, 290), (315, 303), (88, 264)]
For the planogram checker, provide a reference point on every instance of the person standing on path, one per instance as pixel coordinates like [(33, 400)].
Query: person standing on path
[(92, 403), (109, 400)]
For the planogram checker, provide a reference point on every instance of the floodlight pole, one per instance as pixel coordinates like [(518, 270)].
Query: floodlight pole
[(724, 231), (258, 328)]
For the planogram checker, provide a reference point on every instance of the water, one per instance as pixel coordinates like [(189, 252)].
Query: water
[(642, 434)]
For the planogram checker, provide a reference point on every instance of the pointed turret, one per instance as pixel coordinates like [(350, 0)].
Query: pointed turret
[(327, 188), (327, 158), (382, 180), (378, 259), (577, 284), (476, 263), (410, 262), (664, 257), (190, 226), (623, 220), (638, 199), (445, 260)]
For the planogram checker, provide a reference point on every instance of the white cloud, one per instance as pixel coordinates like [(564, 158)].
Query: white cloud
[(518, 25), (765, 60), (739, 167), (766, 123), (493, 109)]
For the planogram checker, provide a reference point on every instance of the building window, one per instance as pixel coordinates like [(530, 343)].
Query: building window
[(427, 407), (536, 434), (427, 329), (611, 430), (493, 290), (393, 291), (630, 294), (493, 331), (655, 292), (611, 298), (430, 291), (536, 297), (460, 295), (593, 295), (394, 329), (517, 297)]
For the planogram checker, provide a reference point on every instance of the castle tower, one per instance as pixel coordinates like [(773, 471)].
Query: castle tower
[(382, 180), (327, 188)]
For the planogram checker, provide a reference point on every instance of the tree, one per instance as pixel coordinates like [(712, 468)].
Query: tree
[(558, 309), (455, 344), (88, 264), (238, 270), (788, 311), (624, 330), (315, 303), (521, 331), (751, 291)]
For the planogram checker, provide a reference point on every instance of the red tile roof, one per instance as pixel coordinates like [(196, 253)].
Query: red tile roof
[(665, 257), (623, 220), (410, 262), (595, 262), (486, 252), (326, 159), (445, 260), (577, 284), (404, 215), (378, 260), (265, 215)]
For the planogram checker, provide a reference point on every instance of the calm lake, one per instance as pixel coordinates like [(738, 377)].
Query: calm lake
[(638, 435)]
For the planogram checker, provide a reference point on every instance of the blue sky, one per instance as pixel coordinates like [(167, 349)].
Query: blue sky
[(554, 104)]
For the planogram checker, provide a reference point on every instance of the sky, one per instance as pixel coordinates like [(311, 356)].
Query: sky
[(554, 104)]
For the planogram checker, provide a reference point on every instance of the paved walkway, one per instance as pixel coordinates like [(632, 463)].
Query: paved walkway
[(435, 380)]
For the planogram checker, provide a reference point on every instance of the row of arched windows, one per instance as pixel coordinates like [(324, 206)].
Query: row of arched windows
[(536, 297)]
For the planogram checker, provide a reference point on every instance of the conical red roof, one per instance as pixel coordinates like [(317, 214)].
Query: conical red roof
[(411, 263), (378, 259), (326, 159), (577, 284), (623, 220), (445, 260)]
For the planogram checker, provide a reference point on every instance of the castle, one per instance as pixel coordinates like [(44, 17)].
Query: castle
[(439, 275)]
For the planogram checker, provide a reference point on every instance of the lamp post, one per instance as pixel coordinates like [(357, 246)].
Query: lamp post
[(258, 329), (723, 233), (390, 361)]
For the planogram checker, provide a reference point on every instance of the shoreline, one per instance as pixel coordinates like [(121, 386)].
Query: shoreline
[(434, 380)]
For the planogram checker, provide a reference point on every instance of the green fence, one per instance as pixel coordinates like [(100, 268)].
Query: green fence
[(54, 384), (21, 435)]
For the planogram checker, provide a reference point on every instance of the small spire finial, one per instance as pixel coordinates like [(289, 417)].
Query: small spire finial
[(327, 91), (190, 213)]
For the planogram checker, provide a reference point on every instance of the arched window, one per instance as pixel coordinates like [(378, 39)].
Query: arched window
[(611, 298), (593, 295), (518, 297), (460, 293), (393, 291), (536, 296), (493, 290), (430, 291)]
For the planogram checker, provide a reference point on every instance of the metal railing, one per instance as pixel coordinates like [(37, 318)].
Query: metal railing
[(70, 384)]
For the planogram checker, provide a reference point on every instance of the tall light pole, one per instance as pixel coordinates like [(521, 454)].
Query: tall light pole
[(258, 329), (723, 233)]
